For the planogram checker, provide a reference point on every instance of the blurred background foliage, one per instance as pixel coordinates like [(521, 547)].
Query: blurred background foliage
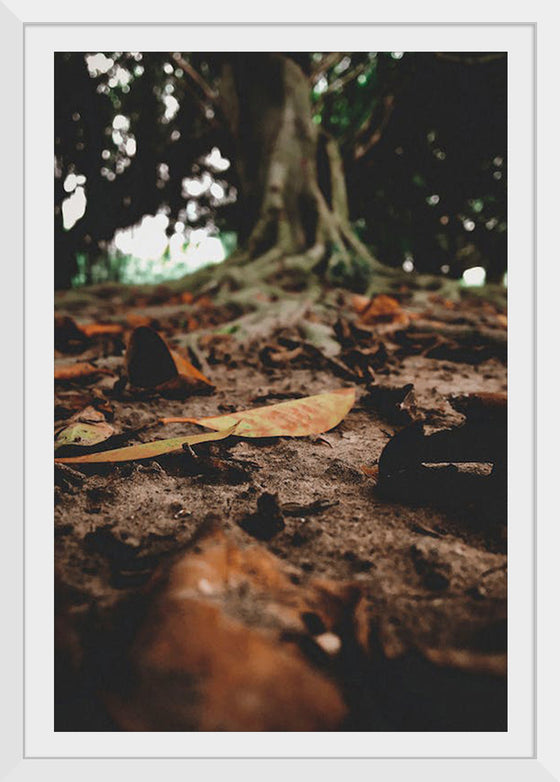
[(145, 182)]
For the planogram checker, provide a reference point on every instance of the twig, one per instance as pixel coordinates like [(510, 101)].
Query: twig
[(363, 148)]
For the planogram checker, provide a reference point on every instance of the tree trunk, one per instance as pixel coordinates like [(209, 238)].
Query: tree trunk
[(293, 195), (293, 191)]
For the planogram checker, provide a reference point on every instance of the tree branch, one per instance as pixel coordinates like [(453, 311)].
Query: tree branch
[(350, 75), (203, 85), (470, 60), (324, 64), (362, 148)]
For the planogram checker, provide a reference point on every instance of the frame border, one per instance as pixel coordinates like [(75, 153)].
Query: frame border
[(13, 34)]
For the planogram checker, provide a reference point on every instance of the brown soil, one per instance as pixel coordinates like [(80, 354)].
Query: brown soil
[(429, 558)]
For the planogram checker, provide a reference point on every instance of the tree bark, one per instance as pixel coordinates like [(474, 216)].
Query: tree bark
[(291, 175)]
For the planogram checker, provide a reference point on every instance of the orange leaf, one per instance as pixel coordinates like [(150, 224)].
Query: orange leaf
[(186, 369), (246, 666), (295, 418), (380, 309), (77, 370), (360, 303), (146, 450), (100, 329)]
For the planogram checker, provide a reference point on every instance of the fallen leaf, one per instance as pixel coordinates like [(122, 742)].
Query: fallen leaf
[(148, 360), (77, 371), (101, 329), (186, 369), (85, 434), (394, 403), (484, 406), (364, 361), (281, 355), (380, 309), (68, 337), (151, 363), (233, 623), (295, 418), (146, 450), (89, 415), (478, 439)]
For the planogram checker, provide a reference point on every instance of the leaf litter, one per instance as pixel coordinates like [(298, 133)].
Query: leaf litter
[(321, 512), (295, 418)]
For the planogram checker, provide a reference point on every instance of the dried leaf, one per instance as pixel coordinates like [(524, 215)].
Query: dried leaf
[(77, 371), (394, 403), (68, 337), (186, 369), (87, 427), (485, 406), (295, 418), (146, 450), (227, 622), (380, 309), (101, 329), (89, 415), (85, 434), (151, 363), (148, 360)]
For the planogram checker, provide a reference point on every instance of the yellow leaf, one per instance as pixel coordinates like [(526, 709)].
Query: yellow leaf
[(84, 433), (295, 418), (145, 450)]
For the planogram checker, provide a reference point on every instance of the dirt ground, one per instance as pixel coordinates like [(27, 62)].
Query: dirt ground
[(418, 639)]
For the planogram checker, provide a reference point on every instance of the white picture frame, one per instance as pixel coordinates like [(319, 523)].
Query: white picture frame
[(538, 757)]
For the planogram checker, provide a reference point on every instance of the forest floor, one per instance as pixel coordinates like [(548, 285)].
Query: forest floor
[(284, 583)]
